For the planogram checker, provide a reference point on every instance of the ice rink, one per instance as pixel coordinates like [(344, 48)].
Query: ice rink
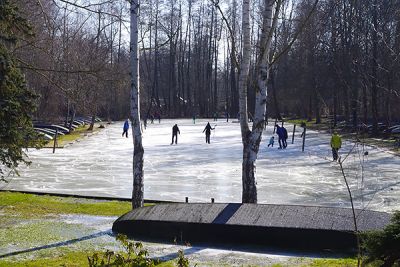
[(101, 165)]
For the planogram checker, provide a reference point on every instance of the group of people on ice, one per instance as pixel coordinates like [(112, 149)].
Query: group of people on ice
[(282, 137), (336, 140), (176, 131), (156, 115), (215, 116)]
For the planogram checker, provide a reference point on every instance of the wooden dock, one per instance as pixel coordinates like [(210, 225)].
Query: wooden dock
[(283, 226)]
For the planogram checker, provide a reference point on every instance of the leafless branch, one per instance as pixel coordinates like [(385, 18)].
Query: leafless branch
[(88, 8), (296, 35), (231, 35)]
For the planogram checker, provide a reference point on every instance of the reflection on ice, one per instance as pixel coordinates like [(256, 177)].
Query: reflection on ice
[(102, 165)]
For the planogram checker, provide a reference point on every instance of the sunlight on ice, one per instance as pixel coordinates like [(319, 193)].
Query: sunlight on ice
[(101, 165)]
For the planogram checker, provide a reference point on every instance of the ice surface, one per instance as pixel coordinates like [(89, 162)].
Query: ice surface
[(101, 165)]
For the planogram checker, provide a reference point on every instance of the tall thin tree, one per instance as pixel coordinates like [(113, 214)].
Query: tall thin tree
[(251, 138), (138, 151)]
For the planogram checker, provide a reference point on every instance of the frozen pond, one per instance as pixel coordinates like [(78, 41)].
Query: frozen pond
[(101, 165)]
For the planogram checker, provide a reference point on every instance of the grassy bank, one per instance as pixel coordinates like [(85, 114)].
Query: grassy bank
[(77, 134), (32, 222), (66, 259), (387, 143), (34, 206)]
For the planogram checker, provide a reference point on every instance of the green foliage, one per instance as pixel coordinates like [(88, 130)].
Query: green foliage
[(333, 263), (182, 261), (17, 102), (301, 122), (33, 206), (384, 246), (12, 25), (67, 259), (134, 255)]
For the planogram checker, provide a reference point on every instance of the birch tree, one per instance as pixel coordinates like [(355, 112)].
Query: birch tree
[(251, 138), (138, 151)]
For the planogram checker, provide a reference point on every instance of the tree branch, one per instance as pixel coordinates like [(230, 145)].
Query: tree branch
[(231, 35), (303, 25)]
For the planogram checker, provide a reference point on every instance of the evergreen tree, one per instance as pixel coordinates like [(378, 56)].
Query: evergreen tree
[(17, 102)]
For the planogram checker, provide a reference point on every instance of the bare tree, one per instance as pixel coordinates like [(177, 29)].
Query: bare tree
[(138, 151), (251, 138)]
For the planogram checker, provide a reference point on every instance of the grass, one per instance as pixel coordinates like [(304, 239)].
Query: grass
[(78, 133), (79, 258), (382, 141), (333, 263), (66, 259), (310, 124), (34, 206)]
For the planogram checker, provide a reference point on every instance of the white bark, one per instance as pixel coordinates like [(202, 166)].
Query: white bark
[(138, 186), (249, 193), (252, 139)]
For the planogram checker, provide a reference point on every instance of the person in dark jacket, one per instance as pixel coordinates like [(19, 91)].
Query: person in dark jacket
[(280, 133), (125, 128), (175, 132), (208, 132), (285, 137), (158, 116)]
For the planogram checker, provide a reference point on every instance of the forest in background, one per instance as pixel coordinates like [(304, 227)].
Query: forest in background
[(329, 58)]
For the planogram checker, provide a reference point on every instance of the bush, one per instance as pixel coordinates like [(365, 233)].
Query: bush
[(383, 247), (182, 260), (134, 255)]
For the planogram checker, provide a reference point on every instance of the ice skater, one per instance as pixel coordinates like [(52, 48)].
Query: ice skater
[(125, 128), (215, 116), (208, 132), (285, 137), (175, 132), (271, 141), (281, 136), (336, 144), (158, 116)]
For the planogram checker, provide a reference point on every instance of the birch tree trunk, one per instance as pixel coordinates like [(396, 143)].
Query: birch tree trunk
[(249, 193), (138, 187), (251, 139)]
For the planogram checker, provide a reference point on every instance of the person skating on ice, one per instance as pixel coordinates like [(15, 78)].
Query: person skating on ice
[(285, 137), (271, 141), (215, 116), (175, 132), (281, 136), (336, 144), (125, 128), (208, 132)]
